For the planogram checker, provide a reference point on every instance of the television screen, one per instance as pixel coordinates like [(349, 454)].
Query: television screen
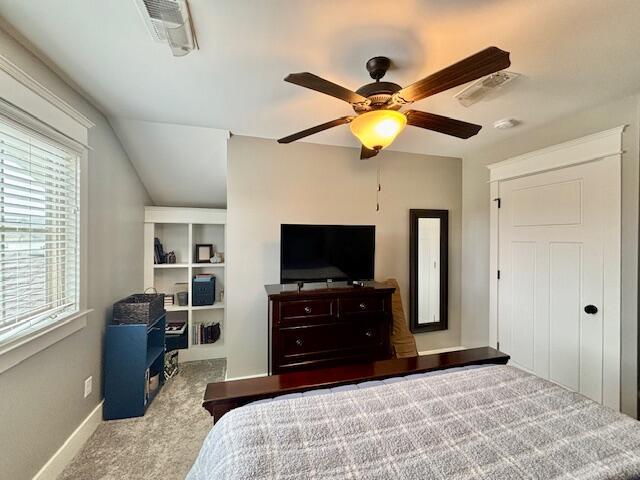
[(315, 253)]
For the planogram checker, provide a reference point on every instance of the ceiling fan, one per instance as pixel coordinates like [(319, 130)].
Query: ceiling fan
[(377, 121)]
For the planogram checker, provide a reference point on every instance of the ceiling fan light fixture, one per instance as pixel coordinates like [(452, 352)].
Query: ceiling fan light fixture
[(378, 129), (378, 122)]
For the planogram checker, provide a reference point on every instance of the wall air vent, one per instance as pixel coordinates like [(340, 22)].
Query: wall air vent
[(169, 21), (484, 87)]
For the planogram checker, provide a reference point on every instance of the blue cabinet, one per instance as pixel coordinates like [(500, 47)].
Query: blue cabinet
[(134, 354)]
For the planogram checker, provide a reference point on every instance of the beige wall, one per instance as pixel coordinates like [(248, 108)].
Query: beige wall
[(475, 224), (41, 399), (270, 184)]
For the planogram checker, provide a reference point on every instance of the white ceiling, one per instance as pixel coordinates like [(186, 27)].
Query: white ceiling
[(571, 53)]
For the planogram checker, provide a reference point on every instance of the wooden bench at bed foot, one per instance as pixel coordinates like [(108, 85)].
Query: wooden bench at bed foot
[(221, 397)]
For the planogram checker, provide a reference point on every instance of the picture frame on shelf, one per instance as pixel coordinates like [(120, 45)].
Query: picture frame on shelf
[(203, 253)]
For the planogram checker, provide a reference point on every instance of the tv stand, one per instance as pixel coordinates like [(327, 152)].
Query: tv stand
[(330, 325)]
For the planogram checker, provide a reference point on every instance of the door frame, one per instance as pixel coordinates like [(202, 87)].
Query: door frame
[(590, 148)]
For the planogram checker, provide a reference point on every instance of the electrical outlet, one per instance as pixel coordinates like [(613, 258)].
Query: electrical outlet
[(88, 385)]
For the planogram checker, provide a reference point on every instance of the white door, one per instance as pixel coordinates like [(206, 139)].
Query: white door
[(553, 241)]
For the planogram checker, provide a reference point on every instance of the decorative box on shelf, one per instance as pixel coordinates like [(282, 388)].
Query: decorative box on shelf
[(203, 288)]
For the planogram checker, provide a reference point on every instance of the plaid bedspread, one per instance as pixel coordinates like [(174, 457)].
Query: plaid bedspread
[(493, 422)]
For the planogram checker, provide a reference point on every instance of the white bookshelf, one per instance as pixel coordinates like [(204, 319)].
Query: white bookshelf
[(180, 229)]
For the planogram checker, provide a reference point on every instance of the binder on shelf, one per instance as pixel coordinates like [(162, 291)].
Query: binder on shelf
[(206, 334)]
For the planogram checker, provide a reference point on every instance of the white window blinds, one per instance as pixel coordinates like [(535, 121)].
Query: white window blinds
[(39, 231)]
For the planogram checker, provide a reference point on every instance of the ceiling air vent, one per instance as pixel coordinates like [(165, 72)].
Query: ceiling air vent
[(169, 21), (484, 87)]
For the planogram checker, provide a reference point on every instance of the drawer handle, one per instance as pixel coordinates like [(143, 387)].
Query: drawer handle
[(368, 333), (363, 306), (299, 342), (307, 309)]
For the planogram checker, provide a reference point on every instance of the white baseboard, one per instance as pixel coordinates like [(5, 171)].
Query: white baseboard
[(227, 378), (442, 350), (71, 446)]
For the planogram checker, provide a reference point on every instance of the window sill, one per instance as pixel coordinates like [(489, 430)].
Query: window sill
[(18, 350)]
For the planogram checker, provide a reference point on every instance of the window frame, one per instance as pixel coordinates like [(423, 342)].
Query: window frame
[(36, 338)]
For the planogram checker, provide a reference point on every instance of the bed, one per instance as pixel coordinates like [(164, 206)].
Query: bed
[(488, 421)]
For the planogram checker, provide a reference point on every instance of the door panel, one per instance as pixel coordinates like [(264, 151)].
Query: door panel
[(565, 290), (551, 258), (523, 289), (553, 204)]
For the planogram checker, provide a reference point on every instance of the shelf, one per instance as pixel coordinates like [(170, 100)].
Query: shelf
[(217, 344), (180, 229), (176, 308), (186, 265), (153, 353), (215, 306), (204, 351), (151, 326)]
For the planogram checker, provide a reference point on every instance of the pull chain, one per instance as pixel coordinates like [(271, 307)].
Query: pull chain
[(379, 189)]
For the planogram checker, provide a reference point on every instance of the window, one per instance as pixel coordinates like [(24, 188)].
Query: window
[(39, 231)]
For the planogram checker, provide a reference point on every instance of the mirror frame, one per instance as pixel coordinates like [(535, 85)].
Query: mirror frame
[(414, 216)]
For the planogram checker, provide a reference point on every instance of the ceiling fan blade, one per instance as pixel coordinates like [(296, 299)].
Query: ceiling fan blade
[(366, 153), (438, 123), (485, 62), (316, 129), (309, 80)]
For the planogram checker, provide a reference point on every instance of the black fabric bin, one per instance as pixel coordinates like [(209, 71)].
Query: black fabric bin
[(139, 308), (203, 292)]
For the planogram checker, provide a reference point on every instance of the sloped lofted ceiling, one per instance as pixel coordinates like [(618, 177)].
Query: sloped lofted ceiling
[(180, 166), (571, 54)]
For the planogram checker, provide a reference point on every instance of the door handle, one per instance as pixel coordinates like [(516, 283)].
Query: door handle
[(591, 309)]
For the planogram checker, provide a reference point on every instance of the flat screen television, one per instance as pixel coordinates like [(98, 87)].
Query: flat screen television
[(316, 253)]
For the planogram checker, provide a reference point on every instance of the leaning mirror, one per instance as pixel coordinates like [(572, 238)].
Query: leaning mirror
[(428, 265)]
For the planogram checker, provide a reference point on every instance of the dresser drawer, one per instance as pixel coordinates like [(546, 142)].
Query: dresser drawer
[(300, 309), (355, 305), (325, 340)]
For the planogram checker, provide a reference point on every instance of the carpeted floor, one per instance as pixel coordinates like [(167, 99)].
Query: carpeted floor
[(162, 444)]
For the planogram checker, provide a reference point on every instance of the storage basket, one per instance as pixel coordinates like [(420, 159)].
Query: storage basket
[(139, 308), (203, 292), (170, 364), (183, 298)]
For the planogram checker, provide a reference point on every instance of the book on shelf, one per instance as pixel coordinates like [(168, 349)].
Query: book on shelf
[(168, 299), (158, 251), (195, 334), (175, 328), (205, 334)]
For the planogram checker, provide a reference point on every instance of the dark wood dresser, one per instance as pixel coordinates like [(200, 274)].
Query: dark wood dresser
[(320, 327)]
